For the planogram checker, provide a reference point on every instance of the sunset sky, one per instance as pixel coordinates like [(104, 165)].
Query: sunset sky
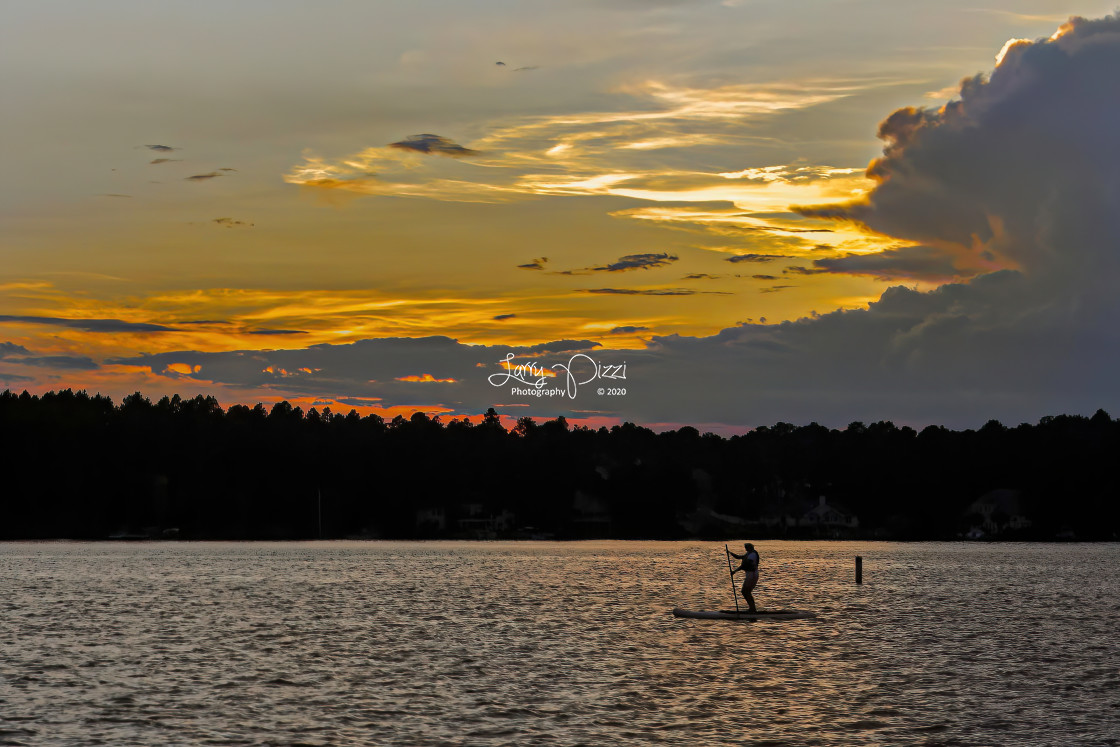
[(371, 205)]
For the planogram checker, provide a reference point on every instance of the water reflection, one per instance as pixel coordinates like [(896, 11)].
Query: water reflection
[(555, 643)]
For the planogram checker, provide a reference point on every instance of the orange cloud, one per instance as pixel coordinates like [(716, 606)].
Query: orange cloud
[(426, 378)]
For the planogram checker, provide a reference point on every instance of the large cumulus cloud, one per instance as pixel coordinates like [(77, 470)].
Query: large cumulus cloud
[(1021, 170)]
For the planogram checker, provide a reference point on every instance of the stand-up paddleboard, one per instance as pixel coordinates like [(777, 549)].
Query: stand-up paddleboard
[(743, 615)]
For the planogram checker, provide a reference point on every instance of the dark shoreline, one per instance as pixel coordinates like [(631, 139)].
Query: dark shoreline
[(83, 467)]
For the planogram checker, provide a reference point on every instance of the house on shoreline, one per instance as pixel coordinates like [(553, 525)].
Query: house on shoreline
[(809, 520), (790, 518), (829, 517), (997, 512)]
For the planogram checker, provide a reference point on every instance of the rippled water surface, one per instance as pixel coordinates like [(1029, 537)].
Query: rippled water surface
[(555, 644)]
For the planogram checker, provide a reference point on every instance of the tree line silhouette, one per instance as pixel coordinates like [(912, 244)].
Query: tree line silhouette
[(79, 466)]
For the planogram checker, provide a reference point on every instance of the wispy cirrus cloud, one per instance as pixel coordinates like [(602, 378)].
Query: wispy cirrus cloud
[(624, 153), (652, 291), (232, 223), (275, 332), (221, 318), (760, 258), (89, 325), (729, 221), (593, 152), (663, 115)]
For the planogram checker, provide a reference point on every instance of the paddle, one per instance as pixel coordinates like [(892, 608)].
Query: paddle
[(733, 594)]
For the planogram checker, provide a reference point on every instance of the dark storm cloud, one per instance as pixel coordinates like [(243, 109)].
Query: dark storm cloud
[(18, 354), (68, 362), (1020, 167), (9, 349), (916, 262), (358, 401), (365, 369), (90, 325), (556, 346), (433, 144), (958, 355)]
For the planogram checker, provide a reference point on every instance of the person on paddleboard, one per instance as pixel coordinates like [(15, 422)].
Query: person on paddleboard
[(748, 566)]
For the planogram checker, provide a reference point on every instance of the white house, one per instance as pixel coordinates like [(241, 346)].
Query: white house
[(999, 510), (825, 515)]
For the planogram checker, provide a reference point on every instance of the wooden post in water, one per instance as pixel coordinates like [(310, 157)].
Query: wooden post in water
[(859, 569)]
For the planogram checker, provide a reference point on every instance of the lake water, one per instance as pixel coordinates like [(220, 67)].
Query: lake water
[(456, 643)]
